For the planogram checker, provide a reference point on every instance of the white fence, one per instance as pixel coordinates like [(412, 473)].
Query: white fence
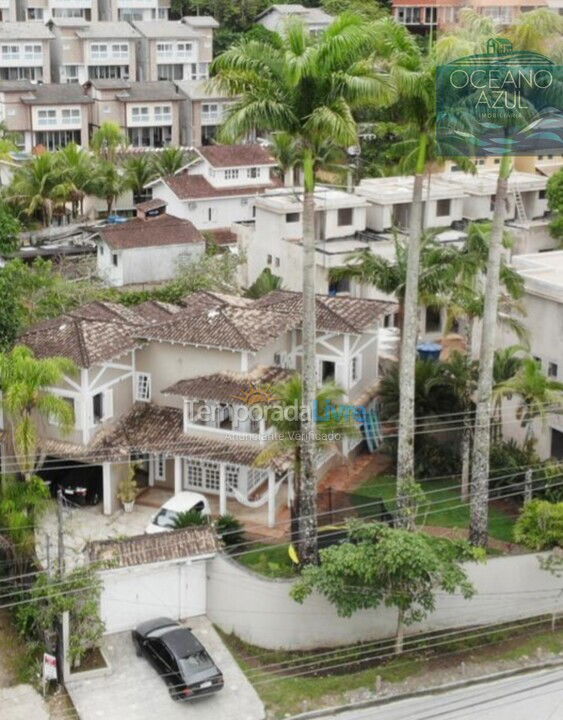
[(261, 612)]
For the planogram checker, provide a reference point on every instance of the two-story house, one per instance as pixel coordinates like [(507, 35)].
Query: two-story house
[(94, 51), (203, 112), (25, 51), (543, 299), (173, 388), (49, 115), (219, 186), (171, 51), (149, 248), (276, 17), (148, 112)]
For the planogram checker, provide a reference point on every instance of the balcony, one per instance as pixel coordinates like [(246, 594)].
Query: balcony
[(70, 4), (21, 59)]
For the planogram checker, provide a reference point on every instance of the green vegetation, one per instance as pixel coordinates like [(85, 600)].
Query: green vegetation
[(285, 695), (443, 506), (230, 529), (540, 525), (269, 560)]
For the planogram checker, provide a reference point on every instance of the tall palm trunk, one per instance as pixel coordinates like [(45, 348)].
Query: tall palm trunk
[(307, 502), (478, 532), (465, 454), (405, 451)]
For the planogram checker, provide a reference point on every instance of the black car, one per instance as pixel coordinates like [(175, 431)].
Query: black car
[(178, 656)]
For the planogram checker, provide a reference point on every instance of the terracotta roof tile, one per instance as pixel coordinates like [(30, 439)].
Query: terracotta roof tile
[(227, 386), (236, 155), (156, 311), (107, 312), (161, 230), (196, 187), (146, 549)]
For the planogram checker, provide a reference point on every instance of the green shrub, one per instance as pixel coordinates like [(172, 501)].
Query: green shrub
[(189, 518), (508, 463), (540, 525), (230, 530)]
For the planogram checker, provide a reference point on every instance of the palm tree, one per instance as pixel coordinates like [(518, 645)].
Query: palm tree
[(169, 161), (76, 167), (283, 416), (539, 395), (507, 362), (34, 185), (25, 381), (265, 282), (308, 88), (107, 140), (109, 184), (530, 29), (139, 170)]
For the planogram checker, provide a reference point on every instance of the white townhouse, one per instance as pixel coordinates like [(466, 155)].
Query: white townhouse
[(147, 249), (219, 186), (8, 11), (543, 300), (169, 387), (25, 51), (277, 16)]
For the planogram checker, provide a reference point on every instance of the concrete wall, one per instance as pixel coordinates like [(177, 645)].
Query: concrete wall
[(261, 611)]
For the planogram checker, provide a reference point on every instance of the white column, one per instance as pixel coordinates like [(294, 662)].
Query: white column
[(106, 485), (177, 474), (271, 498), (222, 489), (262, 431), (151, 470)]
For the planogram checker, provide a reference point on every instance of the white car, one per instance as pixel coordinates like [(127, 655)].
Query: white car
[(163, 519)]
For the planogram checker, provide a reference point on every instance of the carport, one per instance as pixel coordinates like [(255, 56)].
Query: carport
[(82, 484)]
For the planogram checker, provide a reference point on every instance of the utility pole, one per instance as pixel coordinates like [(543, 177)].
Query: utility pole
[(61, 548)]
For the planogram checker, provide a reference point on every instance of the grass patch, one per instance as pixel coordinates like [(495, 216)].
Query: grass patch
[(284, 694), (444, 508), (272, 561), (16, 657)]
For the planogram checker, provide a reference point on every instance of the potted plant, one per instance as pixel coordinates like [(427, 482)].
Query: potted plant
[(128, 489)]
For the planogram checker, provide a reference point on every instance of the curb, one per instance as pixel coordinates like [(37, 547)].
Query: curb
[(435, 690)]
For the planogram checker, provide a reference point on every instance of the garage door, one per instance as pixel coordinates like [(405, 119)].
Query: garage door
[(132, 595)]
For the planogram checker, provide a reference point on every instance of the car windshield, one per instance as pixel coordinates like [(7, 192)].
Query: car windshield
[(198, 661), (165, 518)]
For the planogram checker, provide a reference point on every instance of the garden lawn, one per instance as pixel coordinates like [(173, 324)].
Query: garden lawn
[(443, 508), (269, 560)]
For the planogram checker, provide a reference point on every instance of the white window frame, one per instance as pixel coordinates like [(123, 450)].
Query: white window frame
[(231, 174), (143, 386)]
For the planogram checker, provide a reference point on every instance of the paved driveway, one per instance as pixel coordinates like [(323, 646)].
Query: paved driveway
[(22, 702), (133, 690)]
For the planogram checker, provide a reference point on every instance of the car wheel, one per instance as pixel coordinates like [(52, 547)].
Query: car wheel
[(95, 499)]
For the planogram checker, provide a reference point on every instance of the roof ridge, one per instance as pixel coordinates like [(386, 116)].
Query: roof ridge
[(321, 300), (230, 320), (85, 355)]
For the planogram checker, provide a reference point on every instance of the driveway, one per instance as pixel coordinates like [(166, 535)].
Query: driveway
[(134, 690), (22, 702)]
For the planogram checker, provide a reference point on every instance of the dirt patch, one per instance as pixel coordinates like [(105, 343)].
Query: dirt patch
[(93, 660)]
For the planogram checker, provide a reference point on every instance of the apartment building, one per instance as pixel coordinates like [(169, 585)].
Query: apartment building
[(46, 115), (172, 51), (277, 16), (169, 387), (25, 52), (420, 16), (203, 112), (94, 51), (148, 112), (134, 10), (220, 186), (8, 11), (42, 11), (543, 299)]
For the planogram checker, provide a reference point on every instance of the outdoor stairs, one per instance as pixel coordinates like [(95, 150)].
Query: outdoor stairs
[(520, 209), (372, 430)]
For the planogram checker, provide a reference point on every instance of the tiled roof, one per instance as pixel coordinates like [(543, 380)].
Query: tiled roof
[(236, 155), (15, 31), (226, 386), (150, 91), (109, 30), (152, 204), (190, 542), (164, 29), (156, 311), (202, 21), (161, 230), (223, 236), (149, 428), (107, 312), (337, 314), (85, 341), (196, 187), (55, 94), (233, 328)]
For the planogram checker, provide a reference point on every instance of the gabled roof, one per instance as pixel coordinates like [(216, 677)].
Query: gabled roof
[(15, 31), (336, 314), (200, 21), (85, 341), (192, 542), (220, 326), (156, 311), (224, 156), (154, 232), (312, 15), (107, 30), (56, 94), (227, 387), (164, 29), (107, 312), (197, 187), (127, 91)]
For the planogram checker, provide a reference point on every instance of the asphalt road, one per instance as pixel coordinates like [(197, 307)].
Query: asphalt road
[(533, 696)]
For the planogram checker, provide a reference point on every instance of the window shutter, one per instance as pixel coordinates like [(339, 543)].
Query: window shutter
[(108, 404)]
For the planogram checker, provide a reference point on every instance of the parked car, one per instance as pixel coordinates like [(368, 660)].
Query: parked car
[(163, 519), (178, 657), (82, 486)]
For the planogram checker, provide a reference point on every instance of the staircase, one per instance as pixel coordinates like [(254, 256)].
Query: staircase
[(372, 430), (520, 209)]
